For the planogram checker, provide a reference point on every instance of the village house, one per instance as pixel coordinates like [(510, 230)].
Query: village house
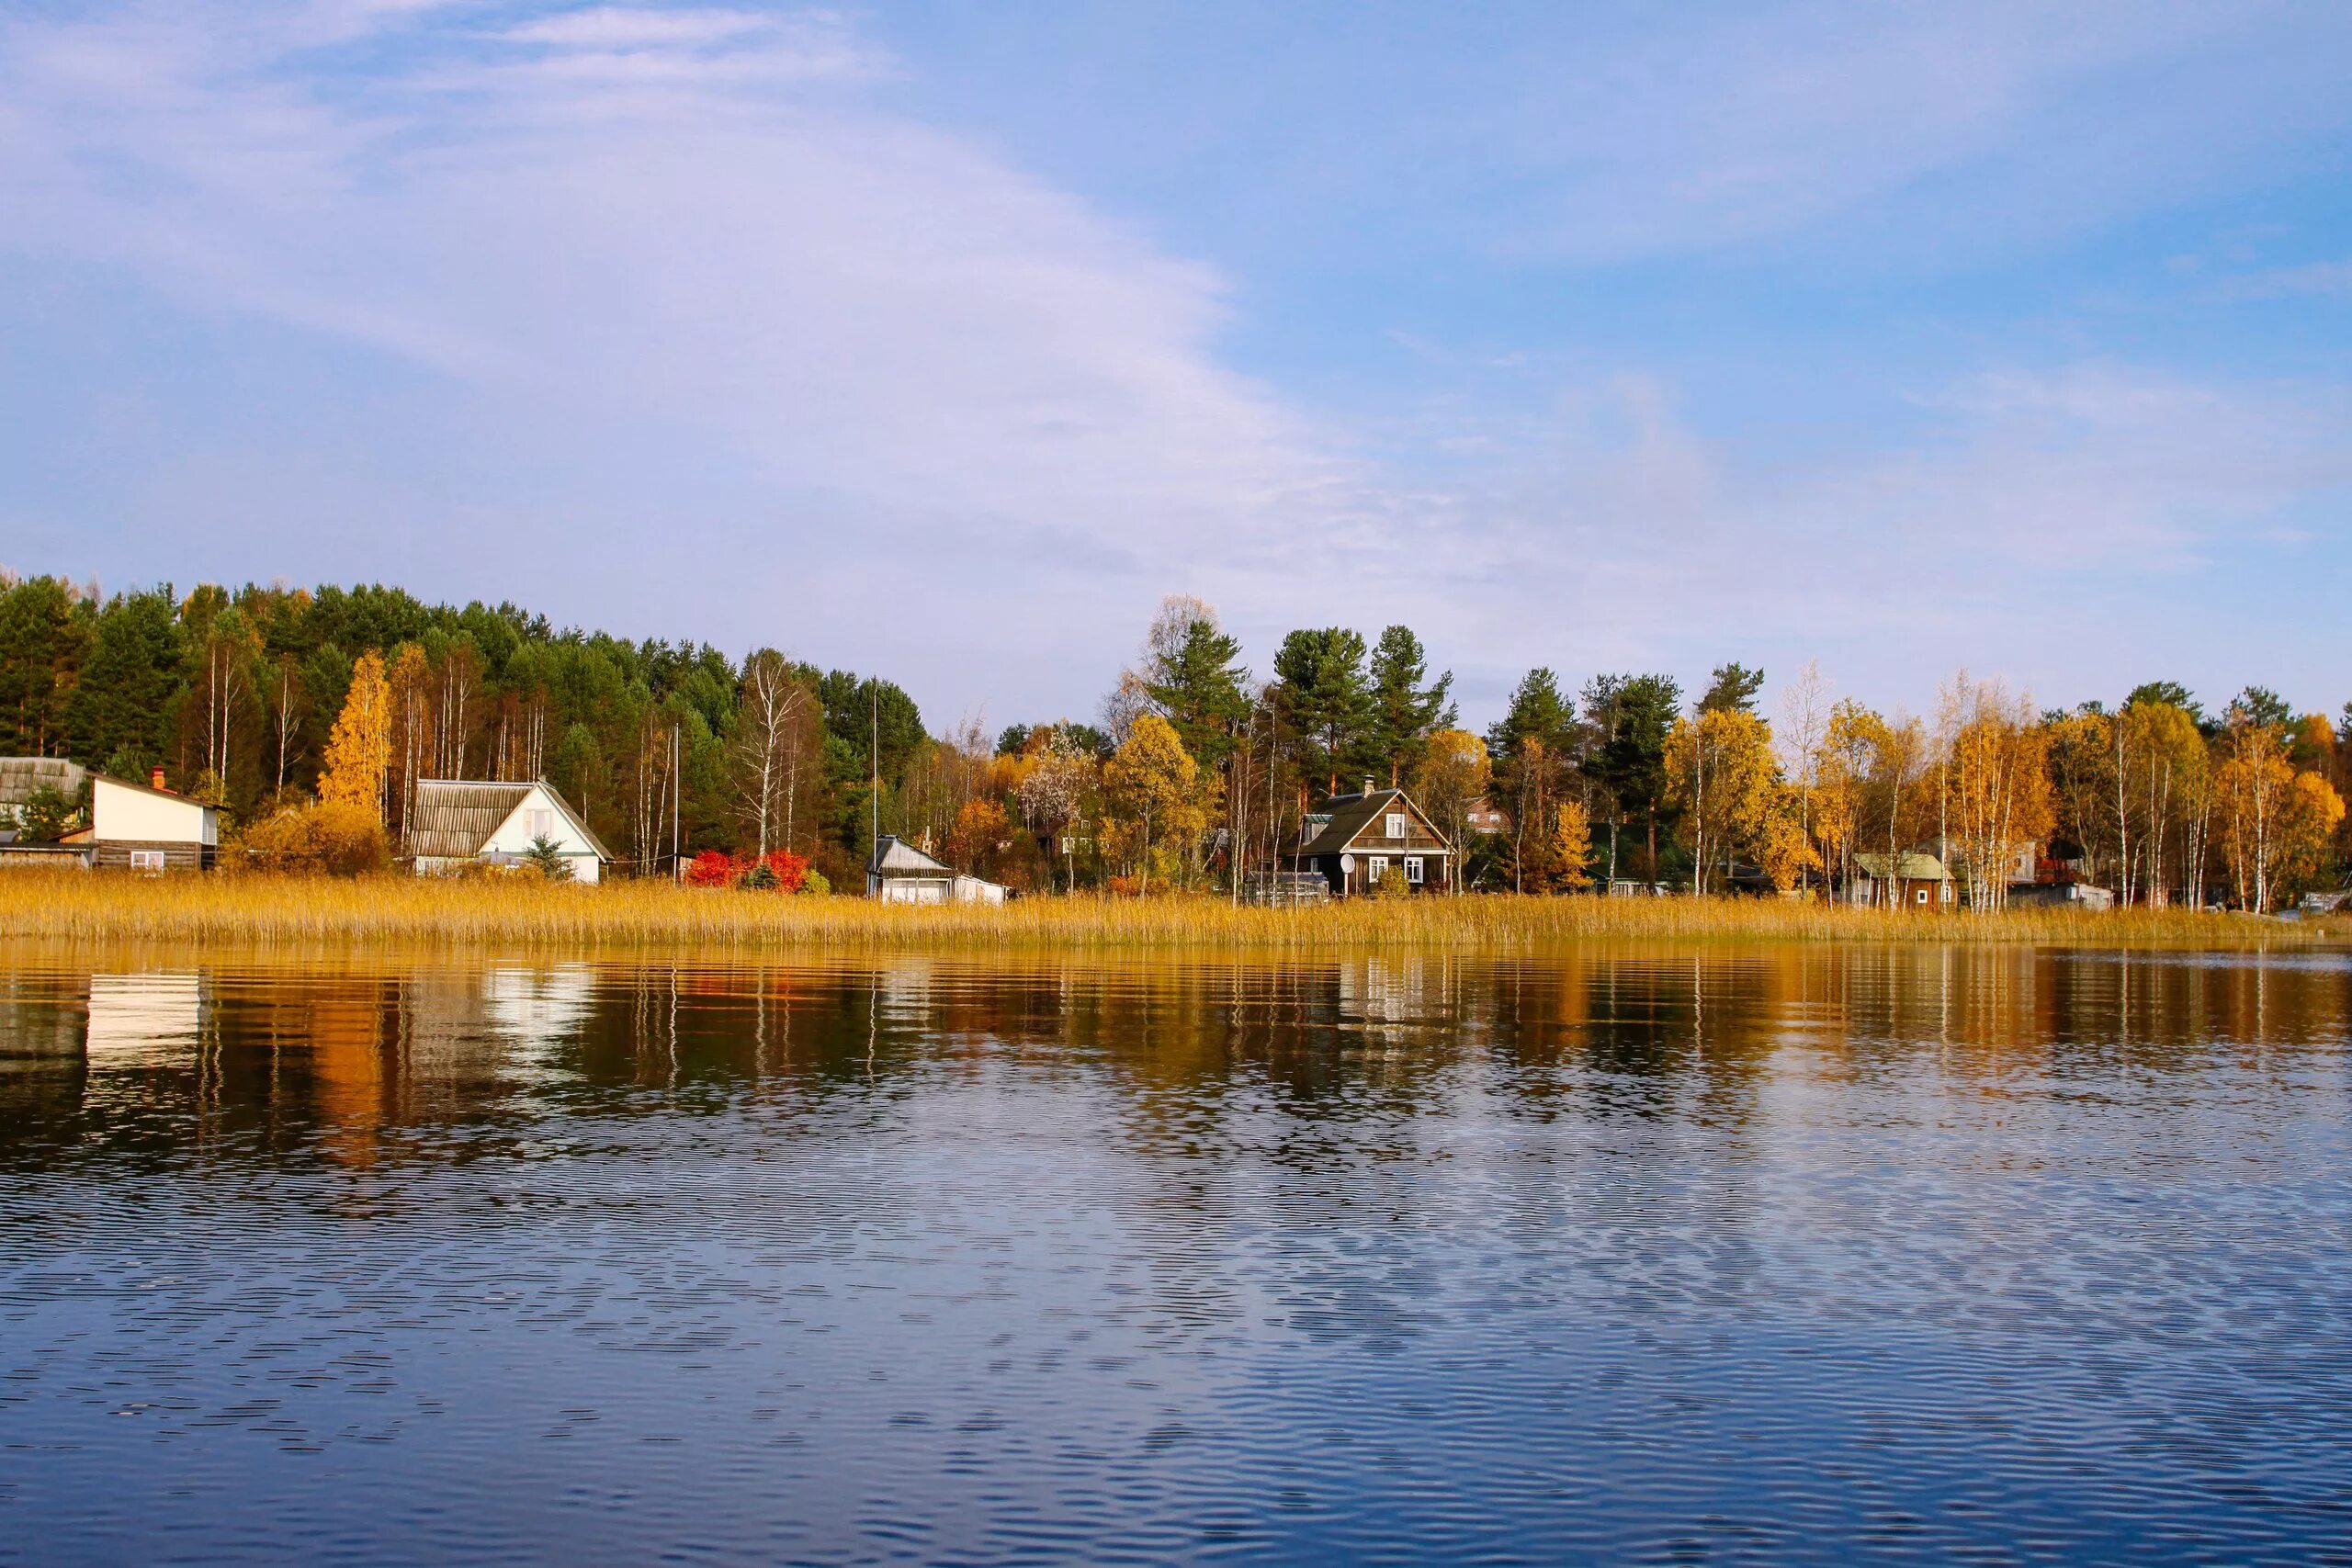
[(1912, 880), (23, 777), (1481, 817), (20, 779), (1363, 839), (900, 873), (147, 827), (458, 822)]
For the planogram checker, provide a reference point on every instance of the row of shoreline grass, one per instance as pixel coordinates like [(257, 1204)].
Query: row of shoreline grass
[(71, 906)]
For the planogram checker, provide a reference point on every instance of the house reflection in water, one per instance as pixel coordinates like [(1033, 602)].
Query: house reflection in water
[(145, 1020)]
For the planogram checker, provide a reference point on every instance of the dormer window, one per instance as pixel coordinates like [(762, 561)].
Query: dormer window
[(1396, 824)]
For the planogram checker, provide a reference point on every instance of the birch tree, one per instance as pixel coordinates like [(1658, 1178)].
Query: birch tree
[(772, 700)]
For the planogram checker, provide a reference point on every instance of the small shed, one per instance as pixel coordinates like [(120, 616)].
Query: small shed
[(457, 822), (1912, 880), (22, 777), (900, 873), (149, 828), (1362, 840)]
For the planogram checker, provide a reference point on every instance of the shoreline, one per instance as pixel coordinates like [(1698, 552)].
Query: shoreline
[(74, 908)]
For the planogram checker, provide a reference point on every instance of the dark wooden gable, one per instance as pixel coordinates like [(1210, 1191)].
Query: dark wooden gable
[(1359, 824)]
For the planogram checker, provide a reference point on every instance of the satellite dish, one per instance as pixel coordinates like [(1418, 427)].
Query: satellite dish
[(1347, 865)]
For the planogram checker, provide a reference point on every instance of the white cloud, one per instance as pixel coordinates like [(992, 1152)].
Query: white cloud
[(682, 284), (616, 214)]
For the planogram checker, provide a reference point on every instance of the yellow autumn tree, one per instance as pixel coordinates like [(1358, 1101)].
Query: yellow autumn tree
[(1153, 789), (1720, 773), (1455, 776), (1996, 784), (1841, 778), (1784, 851), (2275, 823), (1569, 854), (358, 751), (2314, 811)]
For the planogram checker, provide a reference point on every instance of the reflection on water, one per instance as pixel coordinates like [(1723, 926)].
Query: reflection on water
[(1727, 1252)]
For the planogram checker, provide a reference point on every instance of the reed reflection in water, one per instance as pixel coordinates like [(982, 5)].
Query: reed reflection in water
[(1737, 1252)]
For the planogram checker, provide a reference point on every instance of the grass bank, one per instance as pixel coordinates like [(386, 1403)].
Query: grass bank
[(77, 906)]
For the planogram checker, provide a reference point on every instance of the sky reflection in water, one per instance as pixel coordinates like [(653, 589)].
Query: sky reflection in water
[(1744, 1253)]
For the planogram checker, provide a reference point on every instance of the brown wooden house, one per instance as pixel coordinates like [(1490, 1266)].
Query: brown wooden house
[(1367, 838)]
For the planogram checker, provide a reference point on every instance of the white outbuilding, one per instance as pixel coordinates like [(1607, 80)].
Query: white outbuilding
[(902, 874), (148, 828), (455, 822)]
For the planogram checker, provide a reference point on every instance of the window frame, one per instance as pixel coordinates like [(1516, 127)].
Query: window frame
[(1373, 866), (1396, 825), (148, 860), (1416, 871)]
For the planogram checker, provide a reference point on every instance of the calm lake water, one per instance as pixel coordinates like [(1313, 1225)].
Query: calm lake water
[(1746, 1254)]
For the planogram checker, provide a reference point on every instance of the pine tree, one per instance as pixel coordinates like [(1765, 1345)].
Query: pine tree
[(127, 700), (1734, 690), (1198, 685), (1405, 712), (44, 633), (1325, 699), (1631, 761)]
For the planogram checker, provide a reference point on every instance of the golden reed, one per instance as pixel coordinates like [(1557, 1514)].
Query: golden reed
[(39, 905)]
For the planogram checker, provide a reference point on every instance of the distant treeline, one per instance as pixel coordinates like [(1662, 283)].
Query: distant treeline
[(1195, 769)]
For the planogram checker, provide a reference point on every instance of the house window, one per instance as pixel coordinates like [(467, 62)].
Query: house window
[(542, 823), (1923, 895), (1396, 824), (1375, 867), (1413, 869), (146, 859)]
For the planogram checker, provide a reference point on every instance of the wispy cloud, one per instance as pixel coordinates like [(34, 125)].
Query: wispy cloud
[(2324, 278), (695, 287)]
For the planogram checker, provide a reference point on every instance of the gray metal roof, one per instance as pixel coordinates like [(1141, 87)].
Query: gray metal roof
[(452, 819), (893, 856), (19, 776)]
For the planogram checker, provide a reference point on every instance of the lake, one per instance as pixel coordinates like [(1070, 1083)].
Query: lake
[(1723, 1253)]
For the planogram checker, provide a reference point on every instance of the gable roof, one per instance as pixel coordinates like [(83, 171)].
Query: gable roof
[(893, 856), (19, 776), (1911, 866), (172, 795), (452, 819), (1352, 814)]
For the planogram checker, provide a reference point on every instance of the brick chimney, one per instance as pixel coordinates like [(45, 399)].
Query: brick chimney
[(155, 779)]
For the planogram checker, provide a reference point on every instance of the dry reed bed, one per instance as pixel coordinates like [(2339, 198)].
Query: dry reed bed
[(253, 911)]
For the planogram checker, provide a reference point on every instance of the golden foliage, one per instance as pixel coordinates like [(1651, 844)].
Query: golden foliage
[(1721, 774), (1571, 848), (1158, 801), (358, 751), (334, 837)]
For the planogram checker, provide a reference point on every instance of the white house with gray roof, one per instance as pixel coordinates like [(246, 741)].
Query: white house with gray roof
[(457, 822)]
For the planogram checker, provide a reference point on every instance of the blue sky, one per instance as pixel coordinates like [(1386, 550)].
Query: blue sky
[(943, 339)]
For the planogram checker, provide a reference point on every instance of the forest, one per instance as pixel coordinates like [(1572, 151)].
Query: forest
[(1194, 771)]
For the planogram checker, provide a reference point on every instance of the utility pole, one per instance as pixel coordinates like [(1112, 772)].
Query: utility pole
[(874, 799), (677, 789)]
